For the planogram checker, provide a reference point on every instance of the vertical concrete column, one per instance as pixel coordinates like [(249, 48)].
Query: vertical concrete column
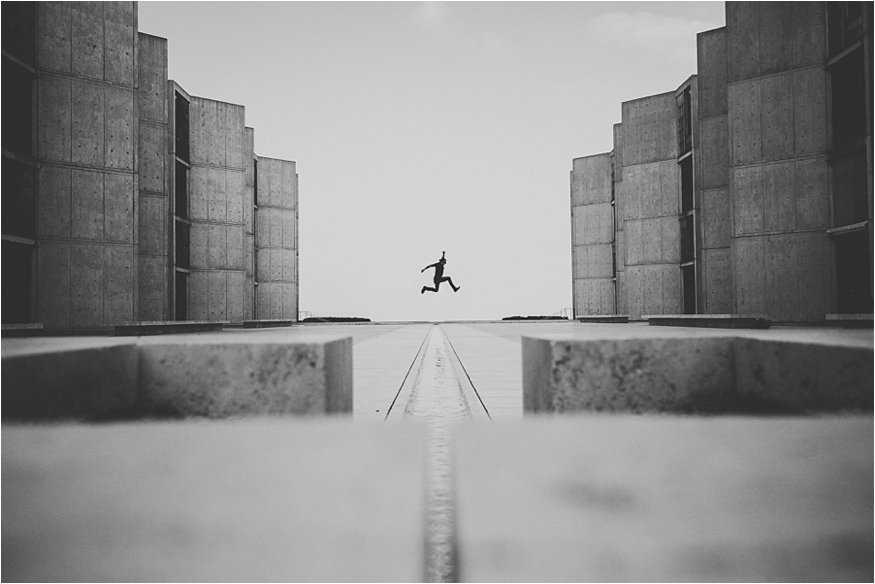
[(87, 149), (249, 225), (154, 201), (651, 203), (619, 224), (276, 239), (592, 219), (217, 198)]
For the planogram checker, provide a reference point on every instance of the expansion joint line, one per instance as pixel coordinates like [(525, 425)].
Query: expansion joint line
[(461, 367), (415, 360)]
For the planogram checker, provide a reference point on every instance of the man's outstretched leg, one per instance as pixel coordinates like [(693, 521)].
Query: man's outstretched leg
[(453, 286), (424, 288)]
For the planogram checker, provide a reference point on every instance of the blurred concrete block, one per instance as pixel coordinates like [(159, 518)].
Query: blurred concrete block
[(695, 374), (217, 376), (67, 378), (244, 501), (665, 499)]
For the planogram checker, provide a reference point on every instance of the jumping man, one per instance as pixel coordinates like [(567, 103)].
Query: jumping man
[(439, 275)]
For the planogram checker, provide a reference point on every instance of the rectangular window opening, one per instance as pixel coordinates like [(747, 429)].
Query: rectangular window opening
[(181, 296), (17, 281), (183, 245), (181, 190), (181, 123), (685, 122)]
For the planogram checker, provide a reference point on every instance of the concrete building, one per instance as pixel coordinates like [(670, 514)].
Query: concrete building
[(125, 198), (746, 190)]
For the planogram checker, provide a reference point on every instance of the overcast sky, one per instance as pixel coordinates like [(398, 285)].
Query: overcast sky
[(424, 127)]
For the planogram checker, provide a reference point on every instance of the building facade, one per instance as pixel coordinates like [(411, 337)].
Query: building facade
[(125, 198), (746, 190)]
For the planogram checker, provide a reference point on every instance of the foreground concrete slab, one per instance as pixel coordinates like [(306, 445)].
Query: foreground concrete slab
[(256, 500), (639, 499)]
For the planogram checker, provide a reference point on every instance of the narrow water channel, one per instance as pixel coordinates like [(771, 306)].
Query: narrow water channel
[(438, 400)]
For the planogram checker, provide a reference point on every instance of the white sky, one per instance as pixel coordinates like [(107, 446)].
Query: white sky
[(424, 127)]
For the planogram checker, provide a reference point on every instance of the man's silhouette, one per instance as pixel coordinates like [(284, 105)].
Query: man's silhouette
[(439, 275)]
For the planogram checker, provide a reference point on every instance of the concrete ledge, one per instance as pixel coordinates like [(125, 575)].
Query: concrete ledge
[(25, 329), (718, 374), (599, 498), (267, 323), (223, 377), (605, 318), (169, 327), (731, 321), (66, 380), (850, 320), (263, 500)]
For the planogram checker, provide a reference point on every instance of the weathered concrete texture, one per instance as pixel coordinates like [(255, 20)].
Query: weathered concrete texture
[(649, 130), (594, 296), (702, 374), (220, 377), (256, 500), (717, 281), (712, 72), (592, 180), (152, 78), (67, 379), (661, 499)]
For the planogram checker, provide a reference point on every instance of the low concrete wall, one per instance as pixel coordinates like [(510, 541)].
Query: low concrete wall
[(694, 375)]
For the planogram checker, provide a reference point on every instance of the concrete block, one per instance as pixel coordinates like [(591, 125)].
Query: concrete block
[(152, 77), (289, 228), (633, 498), (809, 39), (54, 36), (120, 38), (235, 296), (54, 202), (232, 501), (88, 122), (290, 184), (743, 40), (66, 379), (745, 124), (55, 118), (152, 216), (651, 230), (119, 284), (217, 246), (712, 73), (199, 192), (217, 298), (809, 110), (152, 282), (151, 157), (88, 39), (618, 153), (236, 195), (120, 122), (289, 267), (234, 235), (779, 213), (199, 245), (217, 195), (276, 265), (592, 180), (748, 275), (263, 259), (275, 223), (746, 188), (620, 250), (776, 34), (717, 277), (262, 301), (713, 153), (235, 125), (87, 285), (290, 301), (249, 255), (634, 242), (276, 299), (812, 193), (119, 208), (248, 299), (593, 224), (649, 130), (594, 261), (262, 226), (714, 218), (87, 215), (53, 285), (218, 377), (670, 235), (672, 290), (777, 116), (198, 295), (594, 296), (249, 156)]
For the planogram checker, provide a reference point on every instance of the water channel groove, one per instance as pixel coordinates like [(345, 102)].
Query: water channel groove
[(437, 398)]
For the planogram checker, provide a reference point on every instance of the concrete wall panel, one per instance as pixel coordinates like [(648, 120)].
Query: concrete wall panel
[(717, 277), (234, 136), (119, 131), (651, 247), (618, 153), (634, 242), (275, 221), (249, 255), (288, 228), (150, 299), (218, 296), (234, 234), (55, 118), (743, 27), (289, 268), (672, 300), (263, 258), (87, 35), (87, 205), (88, 123), (276, 265), (152, 78), (714, 217), (776, 36), (236, 194), (649, 130), (198, 295), (199, 245), (55, 35), (235, 297), (748, 268), (120, 37), (713, 153), (777, 116), (651, 190), (199, 193), (594, 261), (217, 247), (809, 110), (87, 285), (778, 197), (119, 285), (54, 202), (745, 127), (812, 194), (809, 39), (248, 178), (592, 180), (747, 200), (217, 195), (53, 285), (119, 208), (620, 250), (151, 158), (593, 224), (712, 72), (795, 284), (290, 302), (594, 297)]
